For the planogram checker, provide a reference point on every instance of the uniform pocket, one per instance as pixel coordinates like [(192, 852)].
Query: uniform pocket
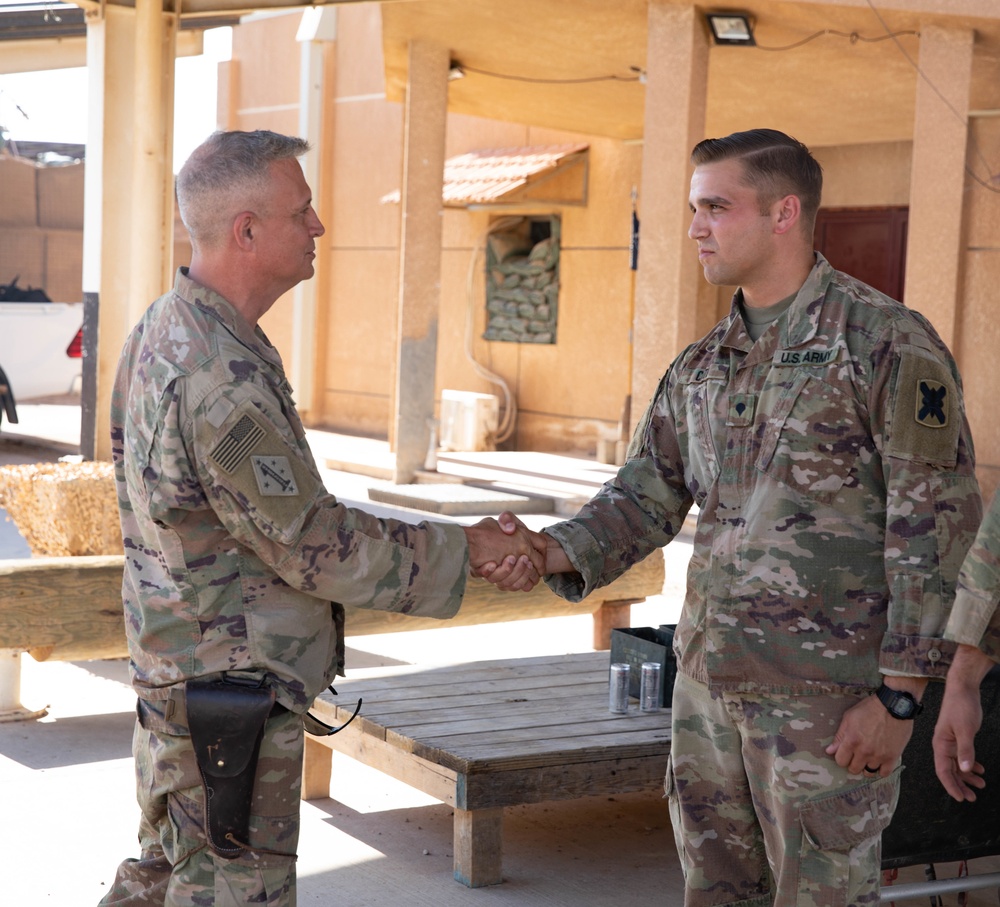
[(846, 819), (840, 852), (813, 439)]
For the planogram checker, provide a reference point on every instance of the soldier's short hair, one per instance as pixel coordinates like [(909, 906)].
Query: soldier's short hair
[(226, 174), (774, 164)]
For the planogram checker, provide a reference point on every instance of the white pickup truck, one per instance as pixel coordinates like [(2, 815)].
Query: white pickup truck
[(40, 351)]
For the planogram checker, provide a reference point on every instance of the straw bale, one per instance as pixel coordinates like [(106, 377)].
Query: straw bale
[(63, 509)]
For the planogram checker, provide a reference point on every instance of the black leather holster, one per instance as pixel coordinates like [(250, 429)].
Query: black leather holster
[(226, 719)]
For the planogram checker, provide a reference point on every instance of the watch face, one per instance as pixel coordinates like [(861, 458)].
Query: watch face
[(899, 704)]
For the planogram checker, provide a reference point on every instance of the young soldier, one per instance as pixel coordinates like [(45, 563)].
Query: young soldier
[(821, 432)]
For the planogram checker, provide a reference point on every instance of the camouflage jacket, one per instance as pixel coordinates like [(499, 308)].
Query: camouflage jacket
[(234, 550), (832, 469), (975, 618)]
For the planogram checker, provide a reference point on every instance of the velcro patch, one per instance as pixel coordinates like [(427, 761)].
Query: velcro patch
[(933, 401), (742, 408), (274, 476), (926, 415), (805, 357), (237, 444)]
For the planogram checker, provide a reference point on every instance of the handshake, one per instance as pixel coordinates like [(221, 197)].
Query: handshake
[(508, 554)]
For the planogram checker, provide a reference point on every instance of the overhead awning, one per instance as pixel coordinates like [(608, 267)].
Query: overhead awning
[(539, 174)]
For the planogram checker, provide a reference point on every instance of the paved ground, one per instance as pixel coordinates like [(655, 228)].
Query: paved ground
[(66, 784)]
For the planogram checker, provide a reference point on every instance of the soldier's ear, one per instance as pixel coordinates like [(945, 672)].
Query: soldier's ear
[(244, 229), (786, 213)]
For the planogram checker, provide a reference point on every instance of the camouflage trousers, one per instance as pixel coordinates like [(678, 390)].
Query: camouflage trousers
[(176, 868), (761, 814)]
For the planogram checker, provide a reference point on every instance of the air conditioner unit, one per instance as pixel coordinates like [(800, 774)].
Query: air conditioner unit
[(468, 421)]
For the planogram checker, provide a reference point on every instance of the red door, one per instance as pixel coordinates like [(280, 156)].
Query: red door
[(867, 243)]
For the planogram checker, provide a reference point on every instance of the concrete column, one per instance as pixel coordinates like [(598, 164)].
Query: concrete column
[(107, 237), (420, 254), (128, 194), (667, 280), (937, 182), (318, 25), (152, 157)]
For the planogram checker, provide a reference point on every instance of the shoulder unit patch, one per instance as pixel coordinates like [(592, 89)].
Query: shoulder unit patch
[(274, 476), (932, 403)]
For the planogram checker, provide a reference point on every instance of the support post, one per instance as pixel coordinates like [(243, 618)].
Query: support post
[(667, 280), (478, 846), (935, 240), (10, 689), (420, 254)]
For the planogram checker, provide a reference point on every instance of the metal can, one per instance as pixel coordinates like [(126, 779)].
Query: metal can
[(618, 692), (650, 699)]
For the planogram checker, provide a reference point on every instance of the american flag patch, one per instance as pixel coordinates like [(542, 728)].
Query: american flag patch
[(241, 439)]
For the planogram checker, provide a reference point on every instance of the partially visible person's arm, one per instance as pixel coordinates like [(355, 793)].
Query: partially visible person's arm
[(958, 723)]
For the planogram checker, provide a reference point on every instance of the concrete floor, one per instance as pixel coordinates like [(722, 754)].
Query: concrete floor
[(69, 815)]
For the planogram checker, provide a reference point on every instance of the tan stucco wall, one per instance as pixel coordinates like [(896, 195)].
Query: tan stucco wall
[(978, 337), (571, 393)]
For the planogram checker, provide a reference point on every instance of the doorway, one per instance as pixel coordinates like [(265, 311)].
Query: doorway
[(867, 243)]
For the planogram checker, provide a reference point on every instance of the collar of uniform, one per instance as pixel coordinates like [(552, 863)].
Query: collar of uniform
[(211, 303), (735, 334), (803, 316)]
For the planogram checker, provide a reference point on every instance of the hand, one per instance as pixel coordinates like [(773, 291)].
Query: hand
[(507, 553), (959, 720), (870, 737)]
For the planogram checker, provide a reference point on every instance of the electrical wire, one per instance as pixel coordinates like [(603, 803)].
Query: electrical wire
[(853, 36), (962, 119), (500, 75), (506, 426)]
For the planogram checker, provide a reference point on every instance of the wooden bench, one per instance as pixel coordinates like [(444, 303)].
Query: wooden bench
[(488, 735), (69, 609)]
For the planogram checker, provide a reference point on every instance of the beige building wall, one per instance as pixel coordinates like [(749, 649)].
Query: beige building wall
[(569, 394), (41, 227), (978, 337), (259, 89)]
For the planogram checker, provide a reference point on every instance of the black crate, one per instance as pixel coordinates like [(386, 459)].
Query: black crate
[(635, 645)]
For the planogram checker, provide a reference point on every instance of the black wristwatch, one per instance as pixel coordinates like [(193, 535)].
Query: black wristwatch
[(900, 704)]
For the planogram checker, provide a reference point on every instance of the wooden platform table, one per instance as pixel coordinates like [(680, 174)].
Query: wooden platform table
[(487, 735)]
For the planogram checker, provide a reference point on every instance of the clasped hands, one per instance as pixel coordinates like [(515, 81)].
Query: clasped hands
[(506, 553)]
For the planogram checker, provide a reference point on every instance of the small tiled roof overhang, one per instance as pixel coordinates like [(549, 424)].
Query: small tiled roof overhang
[(500, 176)]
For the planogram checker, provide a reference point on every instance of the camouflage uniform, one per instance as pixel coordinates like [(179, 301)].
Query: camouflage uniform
[(237, 559), (975, 618), (832, 469)]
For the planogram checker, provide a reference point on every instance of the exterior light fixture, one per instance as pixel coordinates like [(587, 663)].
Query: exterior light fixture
[(731, 28)]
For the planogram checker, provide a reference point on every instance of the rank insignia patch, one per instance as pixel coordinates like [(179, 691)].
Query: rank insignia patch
[(742, 408), (274, 476), (931, 403)]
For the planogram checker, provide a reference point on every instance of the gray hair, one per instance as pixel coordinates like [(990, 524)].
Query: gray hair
[(226, 174)]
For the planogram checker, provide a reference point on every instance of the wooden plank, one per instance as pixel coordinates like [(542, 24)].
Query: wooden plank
[(67, 608), (478, 847), (610, 616), (496, 756), (433, 780), (561, 782), (317, 763), (484, 603)]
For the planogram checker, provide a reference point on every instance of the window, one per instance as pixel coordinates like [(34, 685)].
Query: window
[(522, 280)]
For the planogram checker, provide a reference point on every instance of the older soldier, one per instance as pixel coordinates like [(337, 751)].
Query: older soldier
[(975, 625), (820, 430), (238, 561)]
